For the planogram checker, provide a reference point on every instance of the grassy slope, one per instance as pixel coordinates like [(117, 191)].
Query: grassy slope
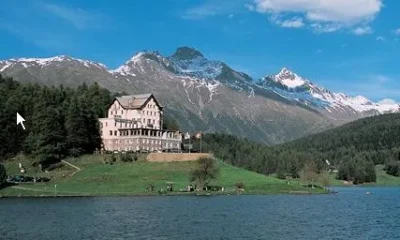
[(97, 178)]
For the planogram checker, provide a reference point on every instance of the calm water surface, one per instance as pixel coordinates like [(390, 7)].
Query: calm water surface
[(350, 214)]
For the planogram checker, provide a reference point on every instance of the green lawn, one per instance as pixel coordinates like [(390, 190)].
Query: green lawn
[(99, 179)]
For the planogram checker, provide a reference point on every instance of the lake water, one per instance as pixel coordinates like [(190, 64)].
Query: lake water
[(350, 214)]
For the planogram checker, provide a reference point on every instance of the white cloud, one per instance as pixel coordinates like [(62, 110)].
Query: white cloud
[(250, 7), (80, 18), (231, 15), (397, 31), (380, 38), (319, 51), (387, 101), (324, 28), (324, 15), (362, 30), (210, 8), (380, 78), (291, 23)]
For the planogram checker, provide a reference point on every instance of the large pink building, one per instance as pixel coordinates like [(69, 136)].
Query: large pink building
[(135, 123)]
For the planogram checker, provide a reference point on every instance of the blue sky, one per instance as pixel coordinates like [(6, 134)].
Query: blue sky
[(348, 46)]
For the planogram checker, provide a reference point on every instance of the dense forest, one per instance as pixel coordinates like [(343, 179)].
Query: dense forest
[(59, 121), (353, 149)]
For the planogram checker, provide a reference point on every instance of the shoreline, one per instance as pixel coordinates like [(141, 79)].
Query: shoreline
[(204, 194)]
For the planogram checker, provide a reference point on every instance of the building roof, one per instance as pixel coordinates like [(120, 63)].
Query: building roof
[(136, 101)]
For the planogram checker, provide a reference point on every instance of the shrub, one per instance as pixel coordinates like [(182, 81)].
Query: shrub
[(393, 168), (239, 185), (125, 158)]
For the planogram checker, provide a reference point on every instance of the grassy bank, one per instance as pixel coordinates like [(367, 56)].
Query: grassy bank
[(99, 179)]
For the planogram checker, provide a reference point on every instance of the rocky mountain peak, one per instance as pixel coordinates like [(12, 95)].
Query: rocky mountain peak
[(289, 79), (187, 53)]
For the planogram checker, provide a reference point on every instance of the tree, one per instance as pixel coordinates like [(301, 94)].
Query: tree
[(206, 171), (325, 180), (47, 137), (77, 131), (309, 173), (170, 123), (280, 170), (3, 175)]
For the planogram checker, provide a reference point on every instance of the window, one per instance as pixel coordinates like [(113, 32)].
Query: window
[(115, 133), (110, 133), (147, 113), (106, 124), (115, 123), (144, 120), (126, 125), (122, 111), (149, 121), (154, 121)]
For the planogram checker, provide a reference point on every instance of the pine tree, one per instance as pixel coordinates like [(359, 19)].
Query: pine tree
[(77, 131), (46, 140)]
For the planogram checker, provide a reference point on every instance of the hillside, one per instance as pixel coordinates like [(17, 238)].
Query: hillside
[(127, 179), (371, 134), (352, 149), (209, 95)]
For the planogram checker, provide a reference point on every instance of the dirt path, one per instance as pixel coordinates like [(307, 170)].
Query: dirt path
[(72, 165)]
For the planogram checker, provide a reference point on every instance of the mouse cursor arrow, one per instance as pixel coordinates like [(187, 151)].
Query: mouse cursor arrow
[(21, 120)]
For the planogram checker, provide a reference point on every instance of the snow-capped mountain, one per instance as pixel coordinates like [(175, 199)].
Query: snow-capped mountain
[(208, 95), (30, 62), (293, 87)]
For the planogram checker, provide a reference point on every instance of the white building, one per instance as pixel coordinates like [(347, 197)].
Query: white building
[(135, 123)]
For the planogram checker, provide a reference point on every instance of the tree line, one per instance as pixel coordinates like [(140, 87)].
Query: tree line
[(353, 150)]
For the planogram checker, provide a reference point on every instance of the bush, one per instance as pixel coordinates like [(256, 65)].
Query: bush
[(239, 185), (393, 168), (125, 157)]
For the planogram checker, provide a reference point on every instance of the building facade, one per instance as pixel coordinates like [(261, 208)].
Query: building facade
[(135, 123)]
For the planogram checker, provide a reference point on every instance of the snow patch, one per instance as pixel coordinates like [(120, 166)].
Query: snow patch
[(7, 65), (123, 70), (289, 79), (57, 59)]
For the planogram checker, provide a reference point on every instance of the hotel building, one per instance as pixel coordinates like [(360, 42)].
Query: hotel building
[(135, 123)]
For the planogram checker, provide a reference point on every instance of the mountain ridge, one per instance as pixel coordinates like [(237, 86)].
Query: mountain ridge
[(207, 95)]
